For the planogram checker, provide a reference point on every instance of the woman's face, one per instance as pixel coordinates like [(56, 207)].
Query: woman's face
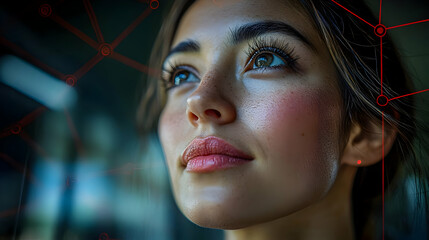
[(281, 105)]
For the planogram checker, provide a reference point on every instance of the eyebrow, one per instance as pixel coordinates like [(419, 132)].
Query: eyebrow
[(243, 33)]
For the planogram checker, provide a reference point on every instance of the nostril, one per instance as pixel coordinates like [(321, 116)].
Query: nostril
[(193, 117), (212, 113)]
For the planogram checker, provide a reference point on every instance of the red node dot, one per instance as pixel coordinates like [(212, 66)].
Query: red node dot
[(382, 100), (16, 129), (45, 10), (380, 30), (105, 49), (359, 162), (103, 236), (70, 80), (154, 4)]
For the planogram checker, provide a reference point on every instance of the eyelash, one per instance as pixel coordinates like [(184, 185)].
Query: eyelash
[(276, 46), (255, 48)]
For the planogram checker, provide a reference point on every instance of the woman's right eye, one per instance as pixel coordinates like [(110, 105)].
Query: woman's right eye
[(177, 76), (184, 76)]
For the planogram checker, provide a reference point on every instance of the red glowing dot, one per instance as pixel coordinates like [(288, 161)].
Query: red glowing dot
[(382, 100), (16, 129), (103, 236), (70, 80), (105, 49), (154, 4), (380, 30), (359, 162), (45, 10)]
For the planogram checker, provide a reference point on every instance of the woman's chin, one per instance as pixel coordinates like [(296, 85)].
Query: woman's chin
[(226, 220), (225, 216)]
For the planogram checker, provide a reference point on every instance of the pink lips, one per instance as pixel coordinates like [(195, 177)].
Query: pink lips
[(212, 153)]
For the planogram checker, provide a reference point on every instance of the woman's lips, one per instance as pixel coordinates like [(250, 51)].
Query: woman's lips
[(212, 153)]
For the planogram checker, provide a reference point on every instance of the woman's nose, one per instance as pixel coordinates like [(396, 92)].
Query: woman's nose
[(207, 104)]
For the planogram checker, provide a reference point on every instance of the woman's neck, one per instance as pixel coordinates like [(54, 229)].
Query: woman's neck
[(330, 218)]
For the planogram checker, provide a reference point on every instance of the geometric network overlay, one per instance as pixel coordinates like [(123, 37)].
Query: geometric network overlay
[(380, 31), (108, 50), (52, 13)]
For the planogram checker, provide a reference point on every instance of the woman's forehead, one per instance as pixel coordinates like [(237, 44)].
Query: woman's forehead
[(212, 20)]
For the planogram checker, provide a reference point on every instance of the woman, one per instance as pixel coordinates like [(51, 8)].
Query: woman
[(269, 123)]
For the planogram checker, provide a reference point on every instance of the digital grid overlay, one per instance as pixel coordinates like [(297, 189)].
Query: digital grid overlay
[(107, 50)]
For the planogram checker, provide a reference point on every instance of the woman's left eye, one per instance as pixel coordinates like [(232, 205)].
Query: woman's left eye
[(266, 59)]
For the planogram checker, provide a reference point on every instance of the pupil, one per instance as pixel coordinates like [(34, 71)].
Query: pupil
[(180, 77), (264, 60)]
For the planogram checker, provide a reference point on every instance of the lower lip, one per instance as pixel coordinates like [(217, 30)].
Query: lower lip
[(212, 163)]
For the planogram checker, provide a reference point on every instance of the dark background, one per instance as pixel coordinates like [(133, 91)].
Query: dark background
[(79, 172)]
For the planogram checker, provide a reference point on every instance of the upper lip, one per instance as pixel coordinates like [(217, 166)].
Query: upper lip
[(211, 145)]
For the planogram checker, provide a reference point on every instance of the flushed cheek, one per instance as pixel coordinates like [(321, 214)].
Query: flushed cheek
[(297, 133)]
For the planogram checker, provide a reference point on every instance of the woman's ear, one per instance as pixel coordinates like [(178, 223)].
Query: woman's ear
[(365, 148)]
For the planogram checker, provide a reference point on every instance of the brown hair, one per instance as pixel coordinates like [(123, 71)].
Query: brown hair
[(354, 49)]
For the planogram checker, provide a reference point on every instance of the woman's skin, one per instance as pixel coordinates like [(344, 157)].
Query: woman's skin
[(299, 184)]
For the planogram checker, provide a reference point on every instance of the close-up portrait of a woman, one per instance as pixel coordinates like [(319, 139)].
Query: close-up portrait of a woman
[(268, 118), (214, 120)]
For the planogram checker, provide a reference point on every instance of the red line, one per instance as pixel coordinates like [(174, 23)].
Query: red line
[(381, 64), (408, 94), (12, 162), (93, 19), (134, 64), (28, 57), (87, 66), (11, 212), (353, 14), (131, 27), (75, 134), (379, 14), (406, 24), (23, 122), (31, 116), (74, 30), (382, 163), (33, 144)]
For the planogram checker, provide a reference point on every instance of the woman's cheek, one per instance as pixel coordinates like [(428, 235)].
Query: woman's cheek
[(171, 133), (297, 133)]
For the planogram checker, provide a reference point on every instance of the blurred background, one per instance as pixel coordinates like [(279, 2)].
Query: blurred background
[(72, 165)]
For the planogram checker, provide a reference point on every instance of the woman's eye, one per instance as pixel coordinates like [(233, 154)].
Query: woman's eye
[(184, 76), (264, 60)]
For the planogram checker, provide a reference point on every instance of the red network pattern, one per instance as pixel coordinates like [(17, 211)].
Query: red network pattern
[(380, 30), (104, 50), (107, 50)]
